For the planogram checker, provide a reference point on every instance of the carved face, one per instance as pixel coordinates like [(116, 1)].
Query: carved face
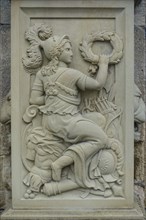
[(67, 54)]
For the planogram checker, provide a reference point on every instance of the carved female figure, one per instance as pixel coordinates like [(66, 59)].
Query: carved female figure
[(56, 90)]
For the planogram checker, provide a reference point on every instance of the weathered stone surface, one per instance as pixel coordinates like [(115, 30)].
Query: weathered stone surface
[(1, 164), (51, 53), (5, 60), (5, 167), (137, 2), (140, 80), (5, 8), (101, 214), (6, 175), (5, 83), (144, 131), (2, 199), (2, 190), (139, 163), (5, 144), (139, 192), (140, 12), (139, 64)]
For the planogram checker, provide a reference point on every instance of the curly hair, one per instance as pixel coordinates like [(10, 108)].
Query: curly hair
[(53, 52)]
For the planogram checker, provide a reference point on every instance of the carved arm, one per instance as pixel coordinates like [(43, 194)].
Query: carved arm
[(101, 75), (103, 71), (37, 98), (37, 93)]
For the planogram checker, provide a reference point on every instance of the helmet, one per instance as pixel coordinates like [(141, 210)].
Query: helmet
[(54, 45)]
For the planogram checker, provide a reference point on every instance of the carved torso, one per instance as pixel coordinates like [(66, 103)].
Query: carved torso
[(61, 91)]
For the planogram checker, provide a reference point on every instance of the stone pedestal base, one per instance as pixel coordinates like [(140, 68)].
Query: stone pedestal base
[(99, 214)]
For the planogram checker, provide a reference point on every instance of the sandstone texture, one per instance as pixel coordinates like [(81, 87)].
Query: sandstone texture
[(140, 80)]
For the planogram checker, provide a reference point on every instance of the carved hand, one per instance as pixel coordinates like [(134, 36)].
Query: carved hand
[(104, 59)]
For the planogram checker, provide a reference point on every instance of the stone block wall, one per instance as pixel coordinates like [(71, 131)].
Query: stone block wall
[(5, 68), (140, 80)]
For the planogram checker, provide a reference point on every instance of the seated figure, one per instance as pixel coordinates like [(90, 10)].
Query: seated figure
[(57, 93)]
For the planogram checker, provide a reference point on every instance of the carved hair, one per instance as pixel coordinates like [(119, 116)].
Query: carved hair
[(40, 36), (53, 47)]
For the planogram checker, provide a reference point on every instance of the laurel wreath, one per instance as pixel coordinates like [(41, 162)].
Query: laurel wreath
[(87, 43)]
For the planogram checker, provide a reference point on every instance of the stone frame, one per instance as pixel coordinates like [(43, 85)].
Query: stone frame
[(22, 13), (18, 12), (21, 214)]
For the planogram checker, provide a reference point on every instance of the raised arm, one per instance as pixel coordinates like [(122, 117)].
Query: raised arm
[(103, 71), (98, 83), (37, 93)]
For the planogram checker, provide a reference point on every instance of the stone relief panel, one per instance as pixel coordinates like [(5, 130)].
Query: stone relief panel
[(89, 104), (72, 141), (43, 177)]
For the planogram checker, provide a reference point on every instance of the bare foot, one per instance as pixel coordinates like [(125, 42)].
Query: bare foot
[(56, 172)]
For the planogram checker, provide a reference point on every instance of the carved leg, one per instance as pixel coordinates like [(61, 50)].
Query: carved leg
[(55, 188), (57, 166)]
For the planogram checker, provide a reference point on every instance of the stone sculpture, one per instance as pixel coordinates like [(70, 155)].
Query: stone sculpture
[(68, 146)]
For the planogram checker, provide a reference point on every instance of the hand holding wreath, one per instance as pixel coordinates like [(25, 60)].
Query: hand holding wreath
[(103, 59), (87, 43)]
